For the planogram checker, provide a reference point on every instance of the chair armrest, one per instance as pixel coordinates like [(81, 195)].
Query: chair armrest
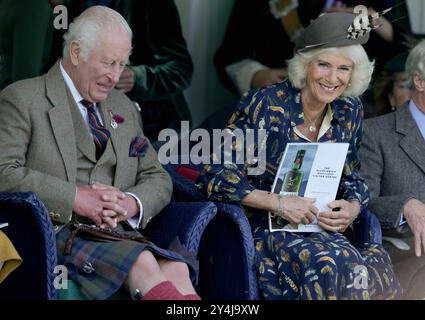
[(367, 229), (31, 232), (184, 189), (219, 235), (226, 252), (185, 220), (239, 243)]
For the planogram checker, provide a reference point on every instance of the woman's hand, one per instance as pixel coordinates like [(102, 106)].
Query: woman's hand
[(339, 220), (297, 209)]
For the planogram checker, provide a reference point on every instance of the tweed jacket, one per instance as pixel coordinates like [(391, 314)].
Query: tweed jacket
[(39, 147), (393, 163)]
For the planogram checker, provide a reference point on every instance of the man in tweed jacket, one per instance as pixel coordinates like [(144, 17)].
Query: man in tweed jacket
[(49, 146), (393, 164)]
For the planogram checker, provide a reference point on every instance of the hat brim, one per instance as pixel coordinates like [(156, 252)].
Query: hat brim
[(327, 31)]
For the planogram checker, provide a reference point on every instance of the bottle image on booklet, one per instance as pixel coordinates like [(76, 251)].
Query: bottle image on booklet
[(294, 177)]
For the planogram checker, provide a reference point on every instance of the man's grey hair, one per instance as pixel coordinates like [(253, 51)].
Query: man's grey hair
[(415, 63), (87, 28), (362, 68)]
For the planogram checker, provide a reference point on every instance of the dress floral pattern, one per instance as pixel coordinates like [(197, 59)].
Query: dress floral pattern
[(300, 266)]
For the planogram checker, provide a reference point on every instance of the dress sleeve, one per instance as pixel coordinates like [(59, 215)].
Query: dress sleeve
[(226, 177), (352, 186)]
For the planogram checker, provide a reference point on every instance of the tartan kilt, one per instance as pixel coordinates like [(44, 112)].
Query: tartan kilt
[(100, 268)]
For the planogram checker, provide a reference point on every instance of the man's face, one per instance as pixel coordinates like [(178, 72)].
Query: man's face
[(96, 77)]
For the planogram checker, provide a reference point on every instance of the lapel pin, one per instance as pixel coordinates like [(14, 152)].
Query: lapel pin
[(116, 119)]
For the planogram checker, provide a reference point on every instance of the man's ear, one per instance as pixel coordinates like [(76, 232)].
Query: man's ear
[(419, 83), (75, 52)]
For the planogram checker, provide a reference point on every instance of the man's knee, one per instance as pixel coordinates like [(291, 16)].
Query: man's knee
[(146, 263), (175, 269)]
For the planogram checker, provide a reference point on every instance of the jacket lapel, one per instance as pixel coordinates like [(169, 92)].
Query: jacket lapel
[(61, 120), (413, 142), (118, 136)]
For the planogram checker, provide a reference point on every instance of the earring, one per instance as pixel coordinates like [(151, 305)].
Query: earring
[(349, 84)]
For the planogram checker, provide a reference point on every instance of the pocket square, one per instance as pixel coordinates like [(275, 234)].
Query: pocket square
[(138, 147)]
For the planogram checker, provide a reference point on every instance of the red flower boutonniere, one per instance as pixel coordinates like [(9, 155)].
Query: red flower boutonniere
[(116, 119)]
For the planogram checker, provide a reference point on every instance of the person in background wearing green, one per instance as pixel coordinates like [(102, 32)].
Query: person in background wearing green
[(24, 36)]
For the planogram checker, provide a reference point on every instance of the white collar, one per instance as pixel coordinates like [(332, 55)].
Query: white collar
[(70, 84)]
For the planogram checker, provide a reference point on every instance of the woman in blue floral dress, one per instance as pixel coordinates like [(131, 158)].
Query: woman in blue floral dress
[(318, 103)]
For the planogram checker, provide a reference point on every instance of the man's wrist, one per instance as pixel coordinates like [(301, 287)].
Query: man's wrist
[(131, 206), (405, 210)]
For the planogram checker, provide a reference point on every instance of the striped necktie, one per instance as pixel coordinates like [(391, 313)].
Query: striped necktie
[(100, 134)]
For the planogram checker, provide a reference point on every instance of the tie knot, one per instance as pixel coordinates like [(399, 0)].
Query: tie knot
[(89, 105)]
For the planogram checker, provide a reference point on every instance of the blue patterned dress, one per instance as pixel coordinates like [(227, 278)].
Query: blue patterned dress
[(301, 266)]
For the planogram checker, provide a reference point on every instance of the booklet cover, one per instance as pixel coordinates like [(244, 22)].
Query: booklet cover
[(308, 170)]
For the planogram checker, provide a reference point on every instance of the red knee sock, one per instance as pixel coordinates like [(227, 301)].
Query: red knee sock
[(192, 296), (164, 291)]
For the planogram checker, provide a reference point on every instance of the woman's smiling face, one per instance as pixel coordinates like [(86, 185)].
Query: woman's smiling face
[(328, 76)]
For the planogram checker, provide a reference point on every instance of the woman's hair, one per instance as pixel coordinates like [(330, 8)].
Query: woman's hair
[(415, 63), (362, 69), (382, 88), (88, 27)]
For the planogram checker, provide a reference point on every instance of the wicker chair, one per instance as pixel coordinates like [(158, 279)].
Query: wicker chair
[(31, 232)]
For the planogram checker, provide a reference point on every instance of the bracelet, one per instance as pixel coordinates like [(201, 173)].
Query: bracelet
[(279, 205)]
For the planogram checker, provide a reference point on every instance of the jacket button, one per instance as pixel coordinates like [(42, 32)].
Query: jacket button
[(87, 267)]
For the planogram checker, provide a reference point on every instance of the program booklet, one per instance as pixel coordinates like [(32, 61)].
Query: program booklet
[(308, 170)]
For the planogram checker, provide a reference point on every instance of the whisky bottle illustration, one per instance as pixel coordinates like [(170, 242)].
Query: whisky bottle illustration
[(294, 177)]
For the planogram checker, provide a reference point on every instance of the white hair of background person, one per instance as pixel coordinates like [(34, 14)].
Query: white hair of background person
[(415, 64)]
